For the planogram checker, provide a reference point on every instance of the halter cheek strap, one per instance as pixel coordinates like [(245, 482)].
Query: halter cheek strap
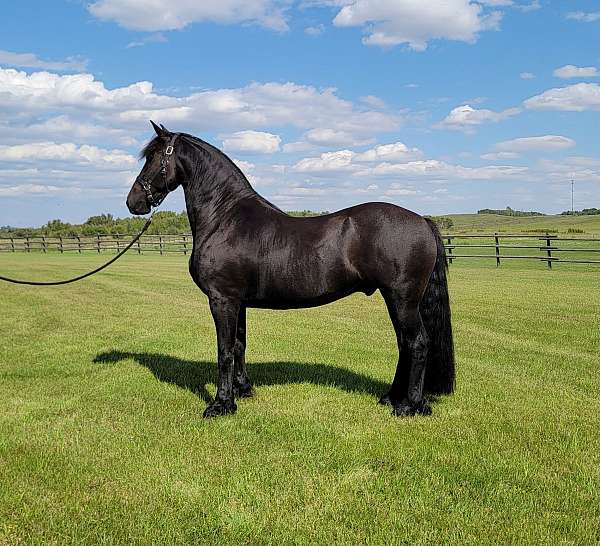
[(164, 165)]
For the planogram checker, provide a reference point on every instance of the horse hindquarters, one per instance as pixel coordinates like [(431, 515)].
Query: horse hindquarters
[(413, 284)]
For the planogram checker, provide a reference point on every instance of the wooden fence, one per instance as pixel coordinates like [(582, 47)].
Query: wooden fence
[(545, 248), (495, 246)]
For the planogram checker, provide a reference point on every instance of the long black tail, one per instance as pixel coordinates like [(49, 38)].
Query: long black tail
[(435, 311)]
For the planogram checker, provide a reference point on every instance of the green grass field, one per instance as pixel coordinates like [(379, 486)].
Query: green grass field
[(103, 384)]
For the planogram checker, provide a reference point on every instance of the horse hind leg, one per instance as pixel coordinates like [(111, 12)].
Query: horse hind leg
[(242, 387), (406, 392)]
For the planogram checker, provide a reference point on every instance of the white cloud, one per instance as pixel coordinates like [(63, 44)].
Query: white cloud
[(315, 31), (467, 118), (414, 22), (571, 71), (245, 166), (63, 128), (347, 160), (433, 169), (298, 146), (527, 76), (398, 164), (532, 6), (497, 3), (156, 38), (155, 15), (330, 161), (584, 17), (331, 137), (397, 151), (29, 190), (500, 156), (574, 98), (399, 189), (373, 101), (545, 143), (69, 152), (252, 107), (30, 60), (580, 169), (252, 142)]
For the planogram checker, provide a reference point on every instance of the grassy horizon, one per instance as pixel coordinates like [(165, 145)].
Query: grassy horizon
[(176, 222), (463, 223), (103, 384)]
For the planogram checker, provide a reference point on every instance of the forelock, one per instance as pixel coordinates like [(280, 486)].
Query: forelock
[(150, 148)]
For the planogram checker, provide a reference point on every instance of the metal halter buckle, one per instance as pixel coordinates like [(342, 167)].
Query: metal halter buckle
[(169, 150)]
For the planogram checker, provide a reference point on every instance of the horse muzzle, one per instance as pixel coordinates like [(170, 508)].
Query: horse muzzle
[(137, 201)]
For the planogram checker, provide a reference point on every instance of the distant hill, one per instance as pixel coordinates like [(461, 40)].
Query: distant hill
[(560, 223)]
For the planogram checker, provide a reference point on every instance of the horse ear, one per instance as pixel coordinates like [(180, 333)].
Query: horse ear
[(160, 131)]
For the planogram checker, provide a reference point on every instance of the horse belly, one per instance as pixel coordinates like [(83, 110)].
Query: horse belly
[(306, 285)]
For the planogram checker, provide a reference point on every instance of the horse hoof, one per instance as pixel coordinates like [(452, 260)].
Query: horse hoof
[(403, 410), (218, 408), (243, 391), (423, 407), (406, 409), (386, 400)]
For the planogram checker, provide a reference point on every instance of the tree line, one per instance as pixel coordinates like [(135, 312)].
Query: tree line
[(510, 212), (165, 223)]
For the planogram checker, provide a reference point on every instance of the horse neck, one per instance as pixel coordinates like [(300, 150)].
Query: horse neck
[(214, 191)]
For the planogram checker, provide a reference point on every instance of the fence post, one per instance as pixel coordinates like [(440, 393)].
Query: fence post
[(43, 244), (12, 244), (118, 243), (449, 255), (184, 245), (497, 249), (78, 244), (548, 250), (27, 244), (60, 243), (160, 244), (98, 242)]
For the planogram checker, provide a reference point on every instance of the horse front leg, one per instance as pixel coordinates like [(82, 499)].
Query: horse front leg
[(242, 387), (225, 314)]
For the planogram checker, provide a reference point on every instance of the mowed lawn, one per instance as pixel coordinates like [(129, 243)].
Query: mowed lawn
[(103, 384)]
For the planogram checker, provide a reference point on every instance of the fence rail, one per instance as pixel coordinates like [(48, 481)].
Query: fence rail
[(549, 248), (494, 246)]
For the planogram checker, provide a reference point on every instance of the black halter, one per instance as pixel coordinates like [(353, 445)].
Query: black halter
[(164, 164)]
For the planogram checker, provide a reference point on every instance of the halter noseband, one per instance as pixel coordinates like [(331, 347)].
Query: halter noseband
[(164, 164)]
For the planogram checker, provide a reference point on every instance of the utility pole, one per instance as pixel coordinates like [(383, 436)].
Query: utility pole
[(572, 196)]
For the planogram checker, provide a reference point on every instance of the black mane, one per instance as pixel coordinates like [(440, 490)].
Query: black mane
[(211, 154), (157, 143)]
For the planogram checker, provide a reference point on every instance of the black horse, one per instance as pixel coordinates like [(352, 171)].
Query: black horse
[(249, 253)]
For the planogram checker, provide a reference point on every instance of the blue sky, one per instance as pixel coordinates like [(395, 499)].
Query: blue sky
[(443, 106)]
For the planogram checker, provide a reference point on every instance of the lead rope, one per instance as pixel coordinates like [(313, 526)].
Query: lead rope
[(89, 273)]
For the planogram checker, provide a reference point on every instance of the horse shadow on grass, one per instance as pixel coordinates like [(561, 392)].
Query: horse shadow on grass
[(195, 375)]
